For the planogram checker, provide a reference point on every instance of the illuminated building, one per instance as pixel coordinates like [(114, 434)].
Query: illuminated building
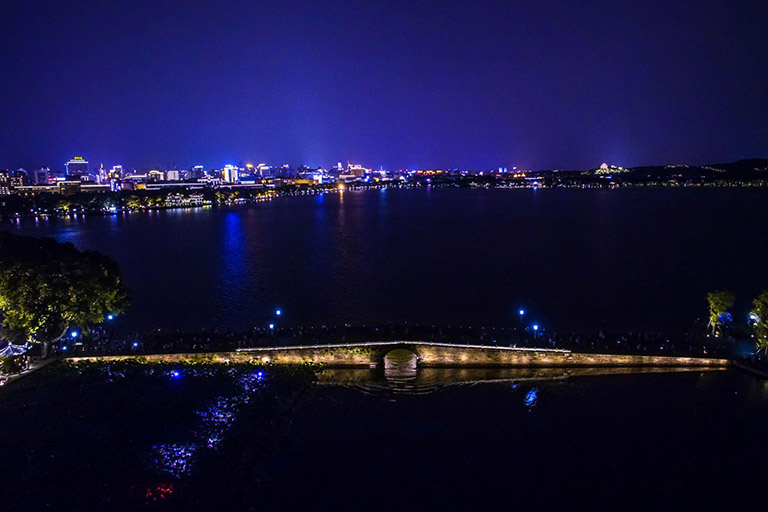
[(194, 173), (9, 181), (230, 174), (5, 183), (78, 166), (41, 176), (265, 171), (156, 175)]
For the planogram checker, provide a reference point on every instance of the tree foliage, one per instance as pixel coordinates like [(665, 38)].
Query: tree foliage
[(9, 365), (759, 315), (720, 302), (47, 287)]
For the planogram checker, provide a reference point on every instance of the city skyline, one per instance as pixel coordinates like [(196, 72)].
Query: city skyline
[(111, 165), (540, 86)]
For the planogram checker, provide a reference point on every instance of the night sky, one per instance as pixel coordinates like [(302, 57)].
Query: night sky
[(470, 84)]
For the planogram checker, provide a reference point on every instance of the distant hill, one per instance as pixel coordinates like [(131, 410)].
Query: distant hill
[(749, 169)]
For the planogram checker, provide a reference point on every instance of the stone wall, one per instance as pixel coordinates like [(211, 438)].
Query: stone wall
[(428, 354)]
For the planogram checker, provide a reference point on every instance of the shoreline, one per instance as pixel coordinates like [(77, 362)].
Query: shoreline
[(291, 191)]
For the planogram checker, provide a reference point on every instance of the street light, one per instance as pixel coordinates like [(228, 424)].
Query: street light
[(73, 334), (110, 316), (271, 326), (278, 312), (535, 330)]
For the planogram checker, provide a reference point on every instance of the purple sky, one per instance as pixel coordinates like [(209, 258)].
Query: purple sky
[(474, 84)]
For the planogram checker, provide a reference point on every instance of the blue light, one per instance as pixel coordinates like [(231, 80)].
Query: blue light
[(64, 347), (73, 334), (271, 326), (176, 374), (278, 312), (110, 316), (135, 344), (531, 398), (522, 312), (535, 327)]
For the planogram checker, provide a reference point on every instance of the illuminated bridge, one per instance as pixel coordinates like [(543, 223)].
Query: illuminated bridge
[(427, 354)]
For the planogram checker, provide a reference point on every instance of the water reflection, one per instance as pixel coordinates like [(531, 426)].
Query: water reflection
[(531, 398), (400, 367), (215, 420), (401, 375)]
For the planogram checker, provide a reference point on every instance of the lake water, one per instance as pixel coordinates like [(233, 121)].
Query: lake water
[(133, 437), (574, 259), (201, 438)]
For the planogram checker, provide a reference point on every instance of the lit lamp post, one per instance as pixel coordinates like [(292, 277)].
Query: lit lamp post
[(535, 330), (522, 314), (73, 335)]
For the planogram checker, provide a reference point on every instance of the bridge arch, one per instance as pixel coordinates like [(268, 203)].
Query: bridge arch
[(395, 352)]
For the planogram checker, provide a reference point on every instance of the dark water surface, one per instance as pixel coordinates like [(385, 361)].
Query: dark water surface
[(144, 437), (584, 259)]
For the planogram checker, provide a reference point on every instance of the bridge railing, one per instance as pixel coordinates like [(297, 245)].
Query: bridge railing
[(400, 343)]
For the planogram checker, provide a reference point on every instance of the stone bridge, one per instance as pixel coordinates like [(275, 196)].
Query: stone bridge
[(428, 354)]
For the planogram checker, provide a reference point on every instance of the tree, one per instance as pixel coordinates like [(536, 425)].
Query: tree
[(719, 304), (759, 315), (64, 204), (133, 202), (9, 365), (47, 288)]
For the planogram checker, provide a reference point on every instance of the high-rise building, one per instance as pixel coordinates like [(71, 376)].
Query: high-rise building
[(230, 174), (9, 180), (172, 175), (78, 166), (264, 171), (156, 175), (116, 171), (5, 182), (41, 176), (195, 173)]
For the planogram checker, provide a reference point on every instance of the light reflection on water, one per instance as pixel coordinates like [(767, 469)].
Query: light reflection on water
[(216, 419), (401, 376), (531, 398)]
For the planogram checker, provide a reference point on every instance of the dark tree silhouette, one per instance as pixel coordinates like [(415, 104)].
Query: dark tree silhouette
[(47, 288)]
